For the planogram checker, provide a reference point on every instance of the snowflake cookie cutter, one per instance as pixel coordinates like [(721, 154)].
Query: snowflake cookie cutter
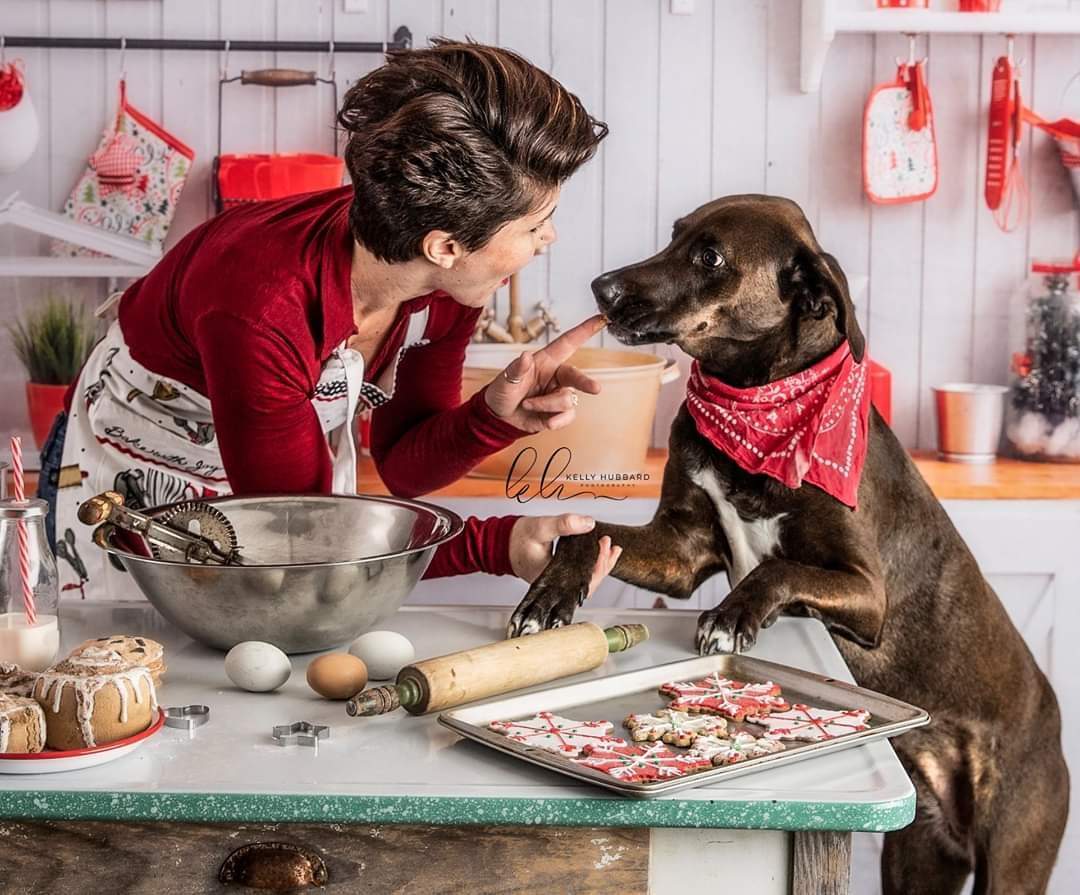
[(301, 733), (187, 717)]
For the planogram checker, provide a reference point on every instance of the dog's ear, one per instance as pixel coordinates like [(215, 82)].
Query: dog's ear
[(816, 285)]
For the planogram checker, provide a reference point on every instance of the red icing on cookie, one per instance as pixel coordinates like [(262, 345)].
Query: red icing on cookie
[(803, 722), (556, 734), (723, 696), (638, 763)]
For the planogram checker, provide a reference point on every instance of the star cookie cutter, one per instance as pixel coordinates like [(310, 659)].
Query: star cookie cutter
[(301, 733), (187, 717)]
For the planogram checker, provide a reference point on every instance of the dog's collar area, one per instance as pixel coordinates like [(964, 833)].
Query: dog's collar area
[(811, 426)]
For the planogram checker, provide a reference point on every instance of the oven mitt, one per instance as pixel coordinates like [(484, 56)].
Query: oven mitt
[(899, 150), (132, 183)]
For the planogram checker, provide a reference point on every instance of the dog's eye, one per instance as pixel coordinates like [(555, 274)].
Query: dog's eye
[(712, 259)]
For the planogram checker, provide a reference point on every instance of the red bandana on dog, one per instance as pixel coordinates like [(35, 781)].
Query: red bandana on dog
[(811, 426)]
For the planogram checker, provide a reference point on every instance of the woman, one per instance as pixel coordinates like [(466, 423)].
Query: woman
[(238, 363)]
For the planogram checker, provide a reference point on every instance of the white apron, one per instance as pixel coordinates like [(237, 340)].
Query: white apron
[(152, 439)]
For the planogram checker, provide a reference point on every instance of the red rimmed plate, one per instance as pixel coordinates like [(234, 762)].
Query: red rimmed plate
[(51, 761)]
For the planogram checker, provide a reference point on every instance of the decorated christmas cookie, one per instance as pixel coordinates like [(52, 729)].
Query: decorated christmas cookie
[(22, 724), (641, 762), (738, 747), (555, 734), (674, 727), (721, 696), (803, 722)]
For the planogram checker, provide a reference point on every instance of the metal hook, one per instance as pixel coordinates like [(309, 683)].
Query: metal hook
[(384, 47), (911, 36), (1010, 40), (123, 64), (225, 61), (332, 71)]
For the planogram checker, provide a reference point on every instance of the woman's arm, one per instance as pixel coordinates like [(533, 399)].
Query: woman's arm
[(425, 438)]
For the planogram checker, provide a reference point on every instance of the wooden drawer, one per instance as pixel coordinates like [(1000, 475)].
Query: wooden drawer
[(184, 859)]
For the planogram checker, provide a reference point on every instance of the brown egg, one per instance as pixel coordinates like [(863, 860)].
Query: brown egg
[(337, 675)]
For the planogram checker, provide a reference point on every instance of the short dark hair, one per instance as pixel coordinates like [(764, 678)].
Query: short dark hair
[(459, 137)]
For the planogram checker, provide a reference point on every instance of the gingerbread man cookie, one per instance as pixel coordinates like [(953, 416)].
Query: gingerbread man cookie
[(674, 727), (722, 696), (804, 722), (555, 734), (738, 747), (641, 762)]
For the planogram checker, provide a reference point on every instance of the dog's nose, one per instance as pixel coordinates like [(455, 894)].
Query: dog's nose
[(608, 290)]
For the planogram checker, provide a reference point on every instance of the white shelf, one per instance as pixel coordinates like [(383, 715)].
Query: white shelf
[(822, 20), (33, 266)]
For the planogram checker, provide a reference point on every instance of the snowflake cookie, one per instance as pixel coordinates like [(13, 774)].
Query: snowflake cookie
[(738, 747), (674, 727), (641, 762), (722, 696), (555, 734), (803, 722)]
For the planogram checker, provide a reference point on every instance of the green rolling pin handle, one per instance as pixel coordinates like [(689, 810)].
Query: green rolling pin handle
[(381, 700), (622, 637)]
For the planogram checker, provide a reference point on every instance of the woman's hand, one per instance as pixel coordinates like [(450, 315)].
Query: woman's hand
[(532, 537), (538, 390)]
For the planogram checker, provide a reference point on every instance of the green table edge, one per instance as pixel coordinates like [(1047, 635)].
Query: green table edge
[(446, 811)]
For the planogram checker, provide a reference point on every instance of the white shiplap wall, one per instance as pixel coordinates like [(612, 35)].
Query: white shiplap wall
[(699, 106)]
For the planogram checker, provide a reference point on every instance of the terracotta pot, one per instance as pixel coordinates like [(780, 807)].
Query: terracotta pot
[(44, 402), (612, 431)]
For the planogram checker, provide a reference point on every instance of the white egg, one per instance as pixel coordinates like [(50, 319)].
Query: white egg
[(257, 666), (384, 652)]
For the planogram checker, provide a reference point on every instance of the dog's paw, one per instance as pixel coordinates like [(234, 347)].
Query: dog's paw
[(544, 607), (732, 627)]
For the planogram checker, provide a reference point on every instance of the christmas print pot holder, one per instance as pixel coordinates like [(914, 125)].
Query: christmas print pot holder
[(132, 183)]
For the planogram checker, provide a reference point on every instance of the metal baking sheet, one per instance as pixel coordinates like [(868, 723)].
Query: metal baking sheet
[(613, 698)]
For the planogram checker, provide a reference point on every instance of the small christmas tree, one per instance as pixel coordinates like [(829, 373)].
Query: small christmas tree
[(1048, 373)]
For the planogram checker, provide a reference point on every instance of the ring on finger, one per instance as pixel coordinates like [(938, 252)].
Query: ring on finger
[(574, 398)]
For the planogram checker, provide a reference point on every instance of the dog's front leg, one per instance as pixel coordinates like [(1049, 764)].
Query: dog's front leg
[(851, 601), (673, 554)]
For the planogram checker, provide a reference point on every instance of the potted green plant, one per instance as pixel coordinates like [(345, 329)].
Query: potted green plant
[(52, 342)]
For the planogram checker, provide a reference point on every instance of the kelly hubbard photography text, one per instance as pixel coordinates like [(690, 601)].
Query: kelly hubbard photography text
[(550, 484)]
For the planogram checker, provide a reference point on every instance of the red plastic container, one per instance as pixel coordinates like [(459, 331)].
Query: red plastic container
[(254, 177), (44, 403)]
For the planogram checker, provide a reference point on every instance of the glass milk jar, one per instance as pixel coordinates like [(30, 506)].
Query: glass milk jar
[(1042, 419), (27, 561)]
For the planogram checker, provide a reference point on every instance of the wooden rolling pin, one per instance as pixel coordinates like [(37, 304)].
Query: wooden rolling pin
[(457, 678)]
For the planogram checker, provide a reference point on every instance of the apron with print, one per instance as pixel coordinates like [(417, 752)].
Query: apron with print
[(152, 439)]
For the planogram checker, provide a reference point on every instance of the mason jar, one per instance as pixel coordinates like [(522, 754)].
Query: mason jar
[(27, 569), (1042, 420)]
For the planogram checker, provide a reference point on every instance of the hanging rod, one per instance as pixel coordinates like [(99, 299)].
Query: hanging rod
[(402, 41)]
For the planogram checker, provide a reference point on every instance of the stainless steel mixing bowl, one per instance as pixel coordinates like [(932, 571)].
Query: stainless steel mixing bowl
[(318, 570)]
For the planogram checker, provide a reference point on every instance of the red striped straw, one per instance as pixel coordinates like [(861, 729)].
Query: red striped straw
[(23, 533)]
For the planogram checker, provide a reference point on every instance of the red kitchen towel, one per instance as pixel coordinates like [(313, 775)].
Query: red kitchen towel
[(811, 426)]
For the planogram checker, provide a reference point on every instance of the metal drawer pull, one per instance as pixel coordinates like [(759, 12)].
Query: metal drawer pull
[(277, 866)]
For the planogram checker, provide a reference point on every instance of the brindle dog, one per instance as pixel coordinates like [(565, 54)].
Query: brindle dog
[(745, 289)]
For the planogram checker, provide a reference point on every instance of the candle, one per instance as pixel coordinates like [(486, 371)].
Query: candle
[(32, 647)]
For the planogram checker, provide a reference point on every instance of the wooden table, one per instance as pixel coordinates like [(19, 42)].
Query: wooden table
[(400, 803)]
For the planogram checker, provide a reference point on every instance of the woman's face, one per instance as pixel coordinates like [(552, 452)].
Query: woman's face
[(475, 276)]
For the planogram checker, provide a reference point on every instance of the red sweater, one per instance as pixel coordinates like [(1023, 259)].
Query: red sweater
[(246, 309)]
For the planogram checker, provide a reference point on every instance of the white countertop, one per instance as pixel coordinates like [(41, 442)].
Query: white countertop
[(404, 768)]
